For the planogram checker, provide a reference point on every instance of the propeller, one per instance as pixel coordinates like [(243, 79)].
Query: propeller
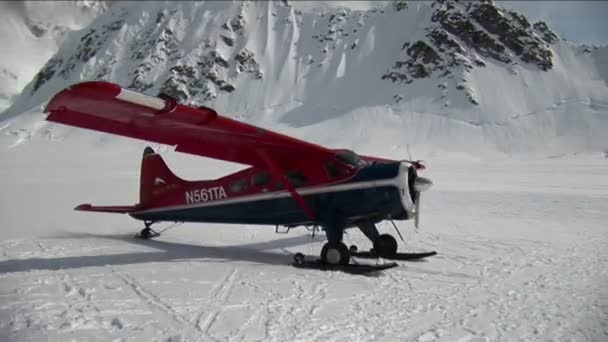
[(420, 184), (417, 213)]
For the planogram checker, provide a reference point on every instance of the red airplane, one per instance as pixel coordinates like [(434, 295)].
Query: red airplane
[(288, 182)]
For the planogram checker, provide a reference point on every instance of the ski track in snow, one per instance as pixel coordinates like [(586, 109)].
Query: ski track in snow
[(522, 257), (209, 310), (153, 300), (478, 289)]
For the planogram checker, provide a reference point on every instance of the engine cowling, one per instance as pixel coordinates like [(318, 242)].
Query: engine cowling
[(411, 185)]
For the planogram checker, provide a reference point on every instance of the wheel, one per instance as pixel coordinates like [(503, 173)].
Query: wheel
[(353, 249), (144, 233), (335, 253), (298, 258), (386, 245), (147, 233)]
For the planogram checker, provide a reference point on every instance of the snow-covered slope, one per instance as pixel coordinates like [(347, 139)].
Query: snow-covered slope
[(442, 75), (521, 243), (31, 32)]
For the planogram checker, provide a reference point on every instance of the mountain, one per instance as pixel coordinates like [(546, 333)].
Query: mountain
[(31, 32), (445, 75)]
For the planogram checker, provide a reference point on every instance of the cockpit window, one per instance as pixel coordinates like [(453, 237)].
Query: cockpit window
[(332, 170), (350, 158)]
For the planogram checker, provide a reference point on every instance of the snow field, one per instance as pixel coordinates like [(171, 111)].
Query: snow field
[(521, 257)]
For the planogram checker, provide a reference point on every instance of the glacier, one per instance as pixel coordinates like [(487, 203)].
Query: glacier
[(513, 139)]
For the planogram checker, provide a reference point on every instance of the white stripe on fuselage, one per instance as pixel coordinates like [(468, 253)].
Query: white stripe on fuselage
[(280, 194)]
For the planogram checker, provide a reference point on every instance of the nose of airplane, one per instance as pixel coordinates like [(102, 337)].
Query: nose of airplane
[(417, 185)]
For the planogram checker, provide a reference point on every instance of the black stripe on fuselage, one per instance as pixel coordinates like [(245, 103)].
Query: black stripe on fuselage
[(285, 211)]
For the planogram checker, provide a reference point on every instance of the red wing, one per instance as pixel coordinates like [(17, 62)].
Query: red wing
[(106, 107)]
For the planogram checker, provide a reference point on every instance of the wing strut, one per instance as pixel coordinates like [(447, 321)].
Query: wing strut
[(276, 171)]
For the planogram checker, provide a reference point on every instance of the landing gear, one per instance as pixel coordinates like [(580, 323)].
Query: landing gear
[(332, 254), (335, 253), (385, 245), (298, 258), (147, 233), (335, 256)]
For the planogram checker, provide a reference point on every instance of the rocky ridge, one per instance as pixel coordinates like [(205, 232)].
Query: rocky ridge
[(196, 75), (463, 36)]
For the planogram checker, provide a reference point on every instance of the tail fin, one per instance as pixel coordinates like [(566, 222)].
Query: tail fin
[(155, 178)]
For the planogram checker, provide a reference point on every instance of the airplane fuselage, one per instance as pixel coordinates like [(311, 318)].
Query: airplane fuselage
[(373, 192), (289, 182)]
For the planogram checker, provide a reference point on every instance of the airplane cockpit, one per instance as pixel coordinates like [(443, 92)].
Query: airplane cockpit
[(350, 158)]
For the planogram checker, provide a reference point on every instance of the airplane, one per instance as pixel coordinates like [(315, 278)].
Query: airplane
[(287, 182)]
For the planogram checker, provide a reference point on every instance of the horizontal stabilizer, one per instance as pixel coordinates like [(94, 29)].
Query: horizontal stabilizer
[(117, 209)]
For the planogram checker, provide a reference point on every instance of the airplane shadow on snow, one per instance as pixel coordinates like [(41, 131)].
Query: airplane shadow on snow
[(166, 251)]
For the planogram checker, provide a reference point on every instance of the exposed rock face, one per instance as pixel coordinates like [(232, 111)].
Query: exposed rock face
[(46, 73), (86, 49), (543, 31), (400, 5), (199, 74), (513, 31), (464, 33), (422, 62), (154, 52)]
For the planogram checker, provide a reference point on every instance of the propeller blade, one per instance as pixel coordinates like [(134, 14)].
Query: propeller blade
[(417, 213), (422, 184), (417, 164)]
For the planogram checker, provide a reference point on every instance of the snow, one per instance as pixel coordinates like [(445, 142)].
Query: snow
[(31, 32), (521, 246), (517, 212), (322, 82)]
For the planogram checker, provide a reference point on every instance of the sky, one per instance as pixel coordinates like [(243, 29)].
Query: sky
[(577, 21), (584, 22)]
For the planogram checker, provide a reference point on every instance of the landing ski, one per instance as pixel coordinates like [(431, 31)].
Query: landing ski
[(398, 256), (359, 269)]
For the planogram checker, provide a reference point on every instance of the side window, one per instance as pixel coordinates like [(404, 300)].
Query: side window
[(238, 186), (259, 179), (296, 177)]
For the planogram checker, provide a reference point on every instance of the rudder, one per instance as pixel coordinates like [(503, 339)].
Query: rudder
[(154, 176)]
